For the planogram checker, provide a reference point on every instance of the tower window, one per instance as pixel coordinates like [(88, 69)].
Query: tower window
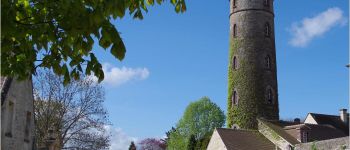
[(10, 115), (27, 127), (234, 98), (234, 63), (267, 30), (234, 3), (266, 3), (268, 62), (269, 96), (234, 30)]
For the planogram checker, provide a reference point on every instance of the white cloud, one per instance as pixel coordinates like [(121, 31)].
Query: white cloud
[(117, 76), (309, 28), (119, 139)]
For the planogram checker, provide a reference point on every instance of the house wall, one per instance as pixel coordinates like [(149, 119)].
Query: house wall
[(332, 144), (17, 120), (216, 142), (310, 120)]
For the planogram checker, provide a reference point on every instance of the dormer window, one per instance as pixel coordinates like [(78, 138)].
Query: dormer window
[(234, 30), (267, 30)]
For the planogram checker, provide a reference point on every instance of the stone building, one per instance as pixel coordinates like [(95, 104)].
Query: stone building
[(253, 113), (325, 132), (17, 120)]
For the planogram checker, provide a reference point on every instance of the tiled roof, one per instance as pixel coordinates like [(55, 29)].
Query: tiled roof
[(315, 132), (244, 139), (5, 83), (335, 121)]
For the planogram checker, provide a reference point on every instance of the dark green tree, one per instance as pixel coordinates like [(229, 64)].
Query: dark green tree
[(191, 143), (132, 146), (200, 119), (60, 35)]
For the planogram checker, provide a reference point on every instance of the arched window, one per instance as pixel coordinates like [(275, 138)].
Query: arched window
[(269, 96), (268, 62), (266, 3), (234, 98), (267, 29), (234, 63), (234, 30)]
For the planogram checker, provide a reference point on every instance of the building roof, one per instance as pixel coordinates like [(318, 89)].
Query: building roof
[(335, 121), (5, 83), (244, 139), (316, 132)]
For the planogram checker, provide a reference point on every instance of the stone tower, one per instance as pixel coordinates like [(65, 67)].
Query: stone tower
[(252, 76)]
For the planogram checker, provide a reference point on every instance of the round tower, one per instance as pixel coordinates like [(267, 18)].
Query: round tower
[(252, 76)]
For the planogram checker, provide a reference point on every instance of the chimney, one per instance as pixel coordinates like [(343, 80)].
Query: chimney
[(344, 115), (297, 120)]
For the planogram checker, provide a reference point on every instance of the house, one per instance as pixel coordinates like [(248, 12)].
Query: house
[(17, 120), (323, 131)]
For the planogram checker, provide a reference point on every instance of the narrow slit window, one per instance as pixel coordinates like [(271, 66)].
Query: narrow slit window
[(234, 3), (10, 119), (235, 98), (268, 62), (267, 30), (266, 3), (269, 96), (234, 63), (234, 30), (27, 127)]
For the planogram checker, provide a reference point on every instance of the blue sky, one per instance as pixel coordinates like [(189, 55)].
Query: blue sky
[(173, 59)]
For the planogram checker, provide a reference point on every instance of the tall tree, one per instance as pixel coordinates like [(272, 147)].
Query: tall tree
[(191, 143), (152, 144), (60, 34), (74, 112), (200, 119), (132, 146)]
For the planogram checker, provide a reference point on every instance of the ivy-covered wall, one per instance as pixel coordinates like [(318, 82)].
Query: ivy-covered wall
[(251, 79)]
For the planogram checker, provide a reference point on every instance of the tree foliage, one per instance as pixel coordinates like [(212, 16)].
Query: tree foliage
[(74, 112), (60, 35), (152, 144), (132, 146), (199, 120)]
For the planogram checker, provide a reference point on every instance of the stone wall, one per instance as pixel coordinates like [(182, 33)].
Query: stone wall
[(332, 144), (17, 121)]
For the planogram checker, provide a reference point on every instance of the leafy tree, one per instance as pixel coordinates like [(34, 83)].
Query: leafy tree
[(74, 112), (202, 143), (191, 143), (152, 144), (61, 34), (132, 146), (200, 119)]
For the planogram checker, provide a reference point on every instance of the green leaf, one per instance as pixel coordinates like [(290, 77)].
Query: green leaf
[(118, 50)]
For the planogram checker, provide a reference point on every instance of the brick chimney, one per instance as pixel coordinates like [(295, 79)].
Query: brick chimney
[(344, 115)]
